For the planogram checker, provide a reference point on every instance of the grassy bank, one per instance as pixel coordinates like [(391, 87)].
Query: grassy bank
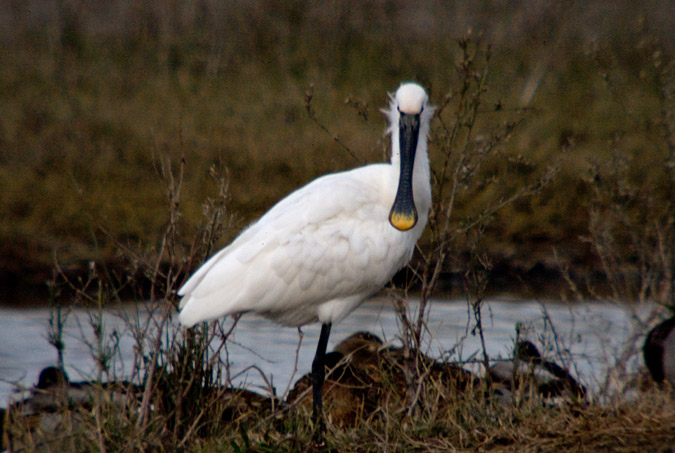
[(98, 100), (191, 408)]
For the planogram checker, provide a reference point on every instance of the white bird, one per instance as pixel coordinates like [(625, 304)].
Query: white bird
[(328, 246)]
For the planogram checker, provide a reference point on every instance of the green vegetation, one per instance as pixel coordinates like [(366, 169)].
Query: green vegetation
[(94, 100)]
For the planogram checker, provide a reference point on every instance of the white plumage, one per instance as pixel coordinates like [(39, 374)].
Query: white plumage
[(325, 248)]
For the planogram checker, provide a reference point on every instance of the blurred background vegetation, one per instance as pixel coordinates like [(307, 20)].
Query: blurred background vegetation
[(98, 98)]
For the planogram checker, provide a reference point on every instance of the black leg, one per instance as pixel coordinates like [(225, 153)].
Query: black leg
[(318, 376)]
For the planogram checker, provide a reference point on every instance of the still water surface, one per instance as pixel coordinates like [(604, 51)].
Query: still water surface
[(591, 334)]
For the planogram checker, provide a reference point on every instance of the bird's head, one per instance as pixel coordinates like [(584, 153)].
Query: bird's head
[(410, 99)]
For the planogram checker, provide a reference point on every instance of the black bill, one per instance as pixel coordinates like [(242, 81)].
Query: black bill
[(403, 215)]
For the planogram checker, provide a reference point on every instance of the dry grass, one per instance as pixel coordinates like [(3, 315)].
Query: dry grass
[(464, 421), (92, 98)]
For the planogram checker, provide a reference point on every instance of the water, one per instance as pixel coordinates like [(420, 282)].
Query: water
[(591, 334)]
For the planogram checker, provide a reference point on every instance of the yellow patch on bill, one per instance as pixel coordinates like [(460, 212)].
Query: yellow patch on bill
[(402, 220)]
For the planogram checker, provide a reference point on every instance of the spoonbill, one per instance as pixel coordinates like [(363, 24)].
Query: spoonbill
[(328, 246)]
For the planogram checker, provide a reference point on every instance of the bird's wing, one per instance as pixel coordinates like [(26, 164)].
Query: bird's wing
[(328, 240)]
